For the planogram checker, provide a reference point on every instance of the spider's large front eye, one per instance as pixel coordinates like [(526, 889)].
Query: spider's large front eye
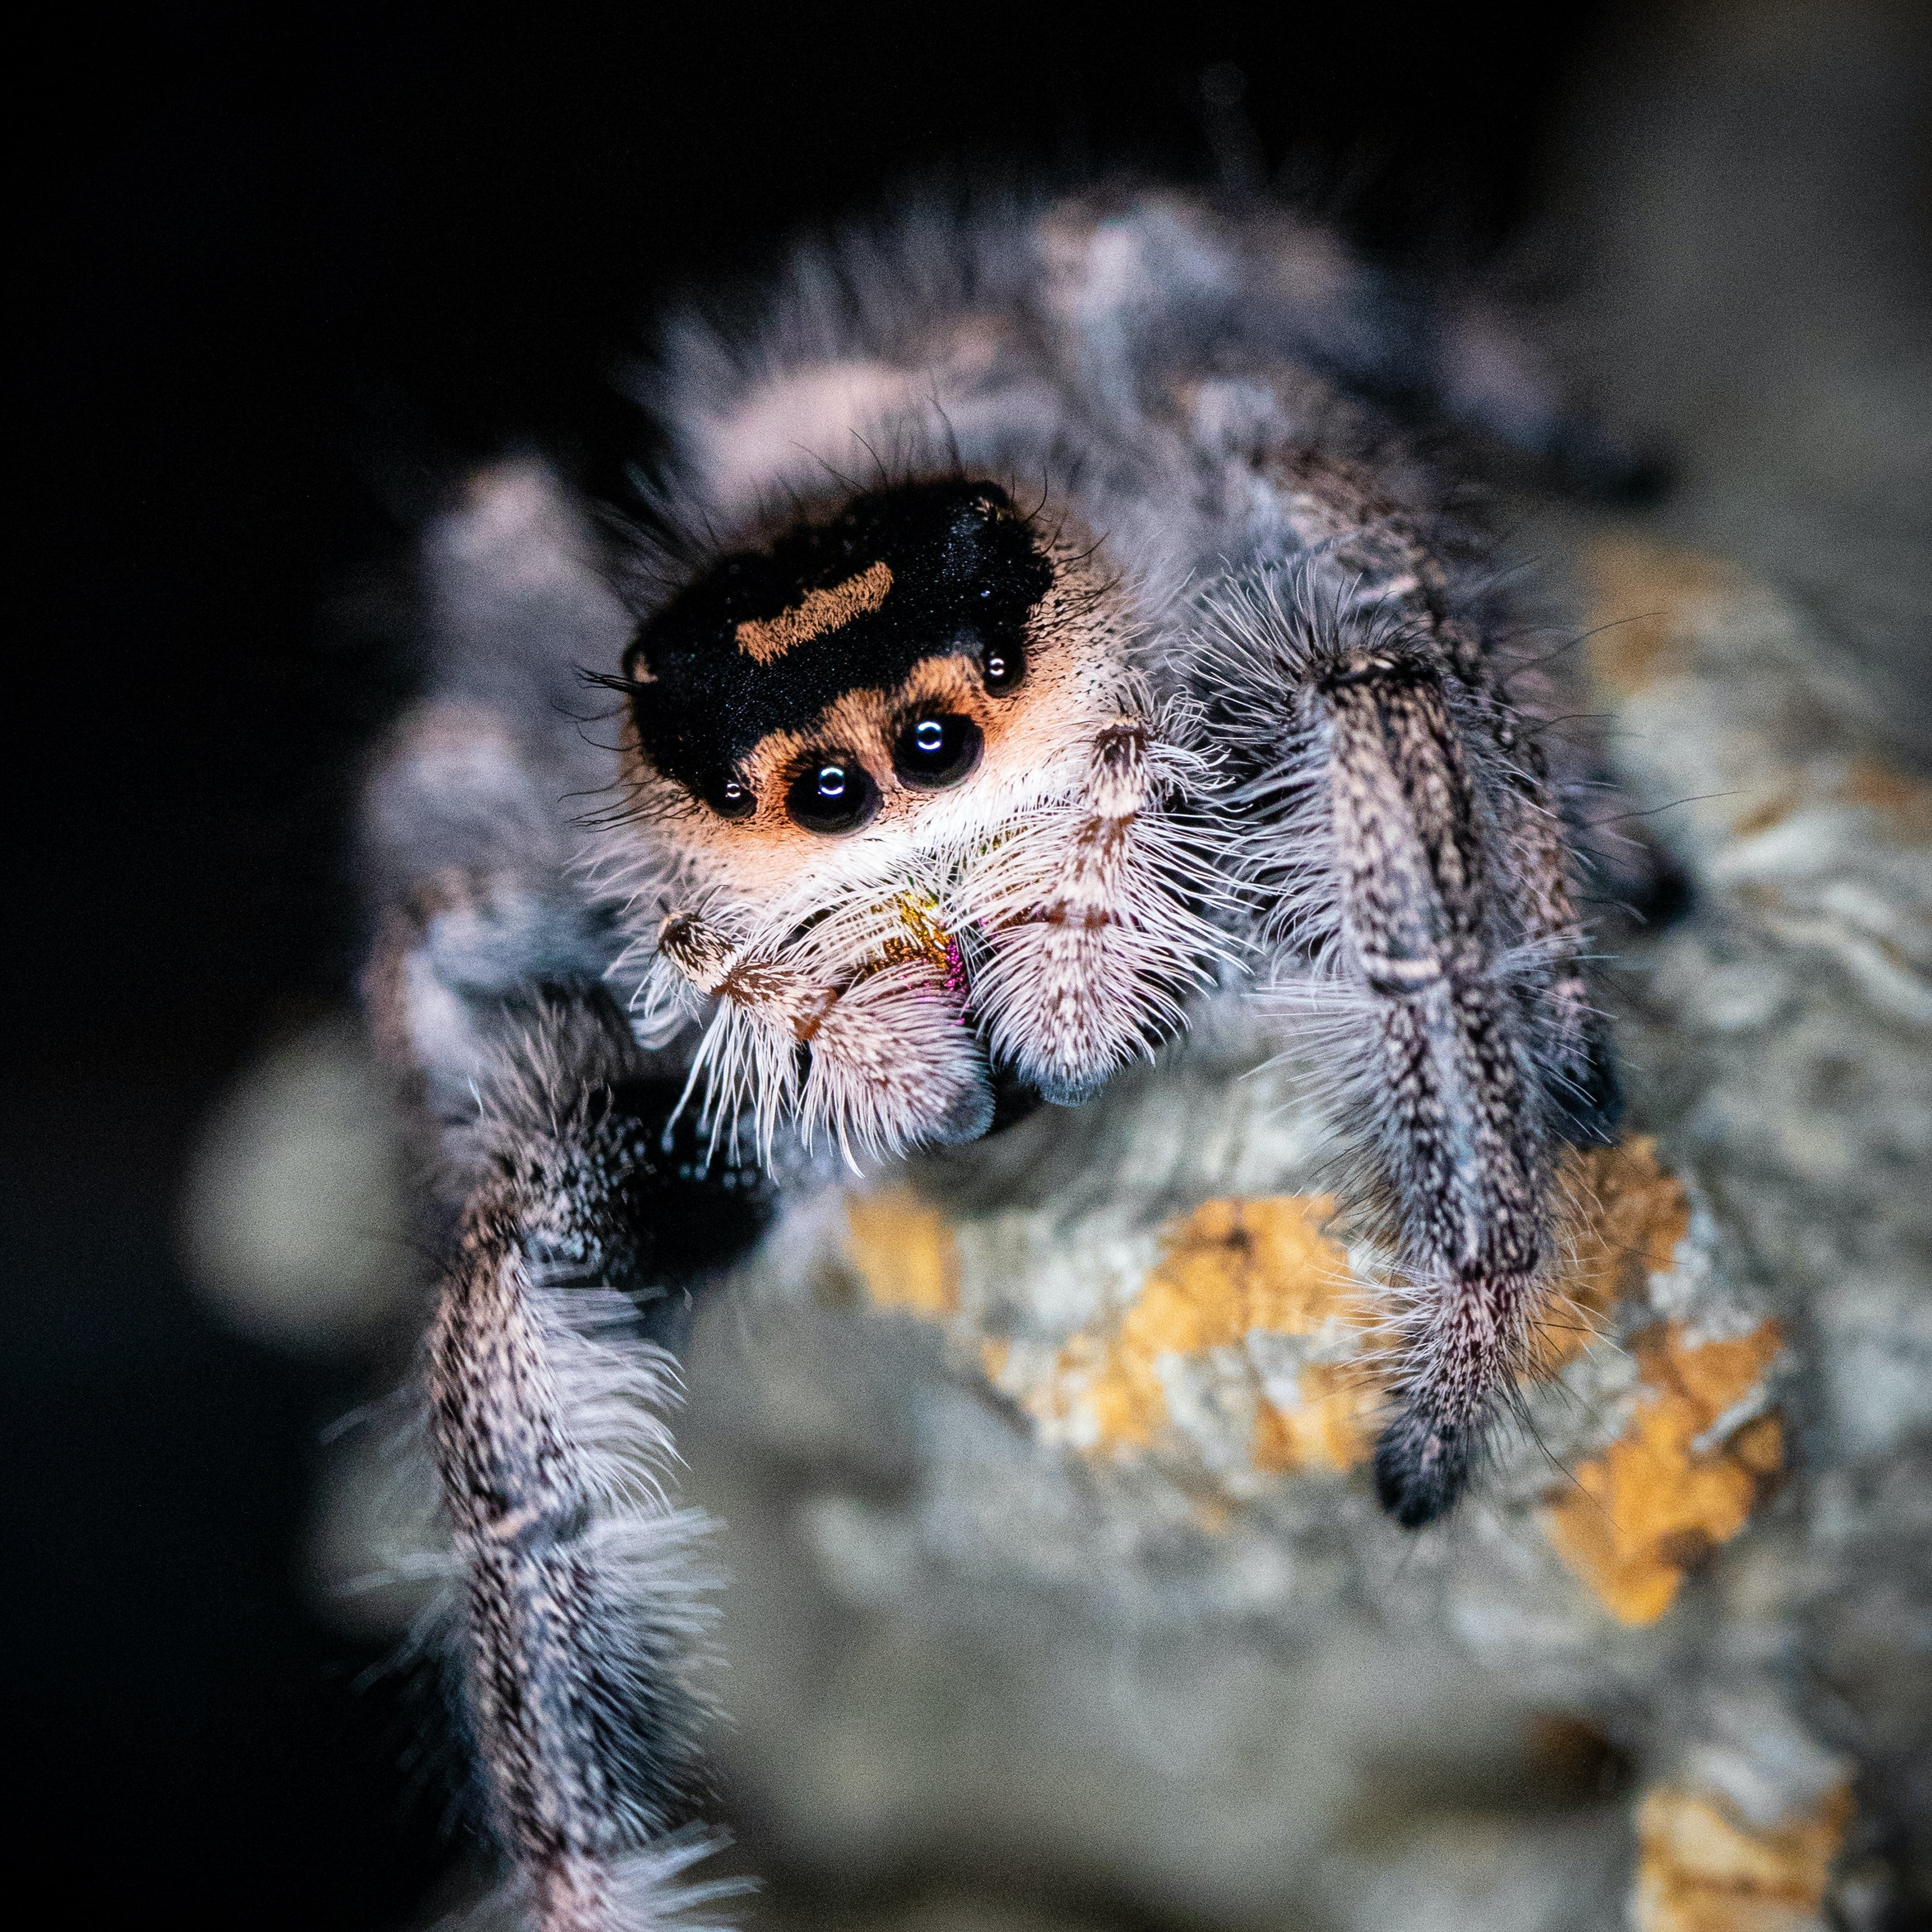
[(932, 752), (834, 793)]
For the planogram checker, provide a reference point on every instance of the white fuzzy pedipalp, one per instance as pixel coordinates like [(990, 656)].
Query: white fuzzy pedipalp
[(895, 1065), (1093, 943), (833, 1025)]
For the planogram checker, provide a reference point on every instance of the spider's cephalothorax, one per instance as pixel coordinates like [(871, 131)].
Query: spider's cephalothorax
[(1155, 672), (914, 792)]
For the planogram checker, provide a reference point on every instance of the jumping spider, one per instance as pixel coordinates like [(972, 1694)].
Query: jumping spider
[(1044, 631)]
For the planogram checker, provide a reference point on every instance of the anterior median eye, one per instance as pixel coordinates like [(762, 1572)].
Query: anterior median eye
[(935, 752), (835, 794)]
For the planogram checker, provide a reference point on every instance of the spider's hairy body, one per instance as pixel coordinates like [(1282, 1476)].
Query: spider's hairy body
[(1046, 633)]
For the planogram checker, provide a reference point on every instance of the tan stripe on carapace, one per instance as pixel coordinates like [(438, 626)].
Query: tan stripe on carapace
[(762, 639)]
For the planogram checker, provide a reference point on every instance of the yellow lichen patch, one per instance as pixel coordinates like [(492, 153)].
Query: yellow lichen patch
[(1623, 1215), (1250, 1325), (1767, 812), (1902, 805), (1701, 1867), (1637, 592), (904, 1251), (1330, 1424), (1656, 1501), (1231, 1269), (1234, 1266)]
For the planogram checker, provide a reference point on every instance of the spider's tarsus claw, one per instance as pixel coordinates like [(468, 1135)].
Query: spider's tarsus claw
[(1014, 1100), (1422, 1466)]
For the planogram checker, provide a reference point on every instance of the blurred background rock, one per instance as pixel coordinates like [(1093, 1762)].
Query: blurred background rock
[(294, 272)]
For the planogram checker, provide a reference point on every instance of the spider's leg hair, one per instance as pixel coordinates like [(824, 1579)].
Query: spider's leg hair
[(1394, 870), (584, 1606), (645, 1888), (1569, 1034)]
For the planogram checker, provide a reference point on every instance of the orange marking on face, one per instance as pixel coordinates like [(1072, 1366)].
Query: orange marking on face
[(764, 639)]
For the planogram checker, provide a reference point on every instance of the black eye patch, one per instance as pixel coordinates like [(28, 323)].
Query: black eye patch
[(766, 640)]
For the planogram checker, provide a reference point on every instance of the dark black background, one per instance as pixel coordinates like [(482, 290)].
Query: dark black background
[(287, 270)]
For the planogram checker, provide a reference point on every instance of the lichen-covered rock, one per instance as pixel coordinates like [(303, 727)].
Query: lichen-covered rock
[(1056, 1564)]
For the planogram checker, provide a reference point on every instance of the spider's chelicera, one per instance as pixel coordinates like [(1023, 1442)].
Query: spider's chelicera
[(1156, 671)]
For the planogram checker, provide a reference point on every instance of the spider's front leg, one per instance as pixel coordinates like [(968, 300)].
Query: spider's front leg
[(1581, 1075), (1460, 1128), (580, 1601), (1418, 861)]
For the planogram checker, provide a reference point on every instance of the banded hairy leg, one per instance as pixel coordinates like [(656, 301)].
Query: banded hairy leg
[(1397, 849), (548, 1386), (1569, 1034), (1573, 1041), (1460, 1127)]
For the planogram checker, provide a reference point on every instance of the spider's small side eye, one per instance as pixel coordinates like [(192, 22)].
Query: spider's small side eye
[(730, 799), (1003, 667), (931, 753), (833, 794)]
